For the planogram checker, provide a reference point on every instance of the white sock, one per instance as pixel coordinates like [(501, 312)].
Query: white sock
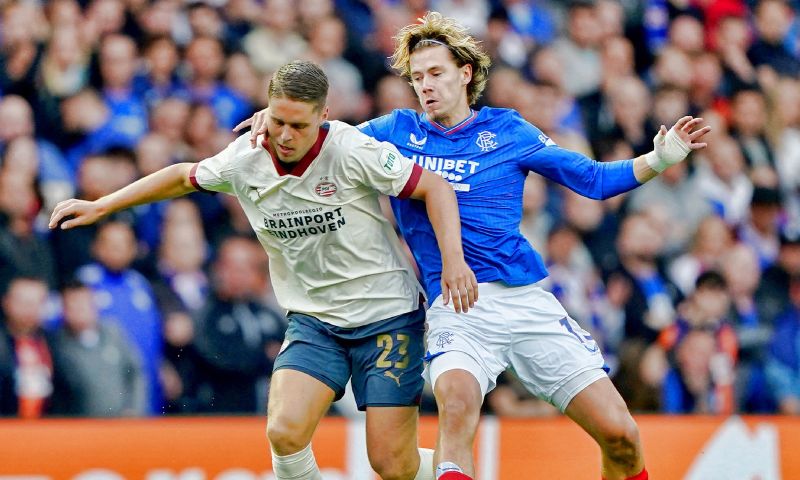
[(425, 471), (445, 467), (297, 466)]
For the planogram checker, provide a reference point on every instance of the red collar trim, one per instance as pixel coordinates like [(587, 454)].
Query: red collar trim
[(455, 128), (300, 167)]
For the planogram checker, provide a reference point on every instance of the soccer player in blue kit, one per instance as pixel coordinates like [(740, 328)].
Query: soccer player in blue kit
[(486, 156)]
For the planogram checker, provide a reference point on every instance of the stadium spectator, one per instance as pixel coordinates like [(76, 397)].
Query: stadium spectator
[(773, 19), (393, 92), (26, 349), (237, 337), (711, 240), (94, 128), (65, 64), (327, 42), (579, 49), (96, 371), (739, 265), (748, 127), (23, 252), (46, 162), (784, 134), (783, 364), (206, 60), (773, 291), (762, 229), (723, 179), (123, 294), (674, 198), (275, 41), (699, 352), (24, 29), (157, 77)]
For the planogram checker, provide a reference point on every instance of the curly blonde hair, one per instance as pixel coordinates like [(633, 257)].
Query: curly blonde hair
[(435, 29)]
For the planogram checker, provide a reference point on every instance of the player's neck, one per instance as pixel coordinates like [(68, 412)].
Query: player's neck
[(454, 117)]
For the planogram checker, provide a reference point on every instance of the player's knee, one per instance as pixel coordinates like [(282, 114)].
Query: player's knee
[(391, 465), (620, 440), (285, 437), (459, 411)]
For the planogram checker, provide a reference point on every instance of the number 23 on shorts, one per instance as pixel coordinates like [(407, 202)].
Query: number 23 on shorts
[(386, 342)]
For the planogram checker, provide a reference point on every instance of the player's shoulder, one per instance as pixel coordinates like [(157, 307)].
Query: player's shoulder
[(510, 121), (498, 115), (396, 120), (347, 140), (240, 147)]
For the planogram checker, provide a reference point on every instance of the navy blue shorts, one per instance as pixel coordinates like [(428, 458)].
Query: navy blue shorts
[(384, 358)]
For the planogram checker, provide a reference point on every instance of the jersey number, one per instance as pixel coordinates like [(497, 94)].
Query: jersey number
[(581, 338), (386, 342)]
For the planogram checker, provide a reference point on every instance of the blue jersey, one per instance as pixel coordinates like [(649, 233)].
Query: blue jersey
[(486, 159)]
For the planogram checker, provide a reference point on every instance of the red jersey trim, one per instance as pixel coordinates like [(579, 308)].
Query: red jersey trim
[(473, 115), (193, 179), (300, 167), (411, 184)]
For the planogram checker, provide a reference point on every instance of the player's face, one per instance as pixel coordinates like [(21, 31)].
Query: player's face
[(293, 127), (441, 85)]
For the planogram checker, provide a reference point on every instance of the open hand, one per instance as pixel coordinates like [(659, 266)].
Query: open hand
[(460, 284), (673, 145), (83, 212)]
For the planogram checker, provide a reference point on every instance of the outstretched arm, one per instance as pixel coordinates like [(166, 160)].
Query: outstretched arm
[(169, 182), (601, 180), (458, 280)]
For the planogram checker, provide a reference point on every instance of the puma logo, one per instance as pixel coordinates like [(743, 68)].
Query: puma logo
[(394, 377)]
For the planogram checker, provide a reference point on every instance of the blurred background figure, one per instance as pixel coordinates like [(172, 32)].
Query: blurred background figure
[(27, 359), (124, 297), (783, 364), (238, 336), (97, 373), (693, 362)]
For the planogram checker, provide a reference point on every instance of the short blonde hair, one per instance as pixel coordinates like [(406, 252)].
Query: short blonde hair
[(435, 29)]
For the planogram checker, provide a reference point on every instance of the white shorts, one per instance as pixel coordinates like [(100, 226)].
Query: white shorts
[(524, 328)]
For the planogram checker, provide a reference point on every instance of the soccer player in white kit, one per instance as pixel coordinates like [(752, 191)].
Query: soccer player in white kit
[(486, 155), (355, 306)]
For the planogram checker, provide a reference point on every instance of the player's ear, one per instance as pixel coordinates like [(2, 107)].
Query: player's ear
[(324, 115), (466, 74)]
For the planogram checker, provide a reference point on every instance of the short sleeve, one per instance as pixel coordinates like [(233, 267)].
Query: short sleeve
[(214, 174), (381, 166)]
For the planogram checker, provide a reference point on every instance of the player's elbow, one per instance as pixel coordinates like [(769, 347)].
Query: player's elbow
[(431, 187)]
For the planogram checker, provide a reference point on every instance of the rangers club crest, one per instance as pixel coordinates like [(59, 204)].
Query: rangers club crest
[(325, 189), (445, 338), (486, 141)]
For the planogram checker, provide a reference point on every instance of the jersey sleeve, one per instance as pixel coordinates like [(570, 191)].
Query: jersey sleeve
[(214, 174), (379, 128), (381, 166), (588, 177)]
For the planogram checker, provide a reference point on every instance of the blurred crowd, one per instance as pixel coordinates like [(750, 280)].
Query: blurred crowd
[(691, 283)]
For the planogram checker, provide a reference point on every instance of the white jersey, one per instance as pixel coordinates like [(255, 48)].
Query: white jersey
[(333, 255)]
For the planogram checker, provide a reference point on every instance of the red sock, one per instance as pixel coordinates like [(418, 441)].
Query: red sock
[(643, 475), (640, 476), (461, 476)]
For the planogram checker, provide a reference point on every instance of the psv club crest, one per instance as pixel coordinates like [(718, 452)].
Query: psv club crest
[(325, 189)]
